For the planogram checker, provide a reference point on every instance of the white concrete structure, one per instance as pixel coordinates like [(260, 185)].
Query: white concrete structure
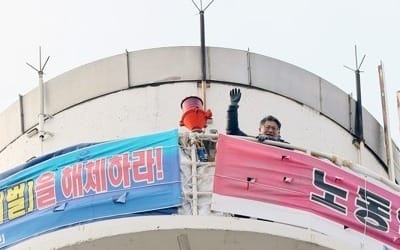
[(140, 92)]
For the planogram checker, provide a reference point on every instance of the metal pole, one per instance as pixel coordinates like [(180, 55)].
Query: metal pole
[(203, 59), (21, 110), (203, 47), (386, 125), (359, 119), (194, 175), (128, 68), (41, 114), (203, 50), (248, 66)]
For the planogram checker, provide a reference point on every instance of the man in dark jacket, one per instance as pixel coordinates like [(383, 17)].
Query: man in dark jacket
[(269, 128)]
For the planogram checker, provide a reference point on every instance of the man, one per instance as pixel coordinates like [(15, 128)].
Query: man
[(269, 128)]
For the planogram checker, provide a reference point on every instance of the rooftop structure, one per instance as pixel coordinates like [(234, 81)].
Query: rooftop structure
[(140, 92)]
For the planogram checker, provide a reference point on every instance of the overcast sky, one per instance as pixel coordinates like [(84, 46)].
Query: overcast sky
[(318, 36)]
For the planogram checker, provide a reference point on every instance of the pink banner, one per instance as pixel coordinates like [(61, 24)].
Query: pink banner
[(290, 179)]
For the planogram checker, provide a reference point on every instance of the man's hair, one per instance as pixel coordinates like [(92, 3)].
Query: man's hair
[(272, 119)]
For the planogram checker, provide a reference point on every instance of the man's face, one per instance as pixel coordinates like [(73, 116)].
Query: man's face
[(270, 128)]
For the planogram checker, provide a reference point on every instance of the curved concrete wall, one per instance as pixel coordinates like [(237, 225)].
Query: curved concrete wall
[(140, 92), (149, 232)]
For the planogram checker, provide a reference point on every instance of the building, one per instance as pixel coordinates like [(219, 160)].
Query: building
[(140, 92)]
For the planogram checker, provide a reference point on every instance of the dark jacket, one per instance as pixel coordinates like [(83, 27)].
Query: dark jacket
[(232, 126)]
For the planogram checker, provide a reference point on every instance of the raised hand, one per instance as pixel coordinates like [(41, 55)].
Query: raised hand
[(235, 96)]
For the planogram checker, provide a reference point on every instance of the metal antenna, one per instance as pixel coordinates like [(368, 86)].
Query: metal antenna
[(359, 126), (358, 66), (203, 48), (40, 72), (41, 69), (359, 120), (201, 5)]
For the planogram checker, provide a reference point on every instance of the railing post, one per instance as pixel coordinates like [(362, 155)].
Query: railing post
[(194, 173)]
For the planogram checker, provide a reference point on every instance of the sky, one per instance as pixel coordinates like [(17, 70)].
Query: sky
[(318, 36)]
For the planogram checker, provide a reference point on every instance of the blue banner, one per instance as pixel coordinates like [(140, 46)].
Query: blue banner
[(106, 180)]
